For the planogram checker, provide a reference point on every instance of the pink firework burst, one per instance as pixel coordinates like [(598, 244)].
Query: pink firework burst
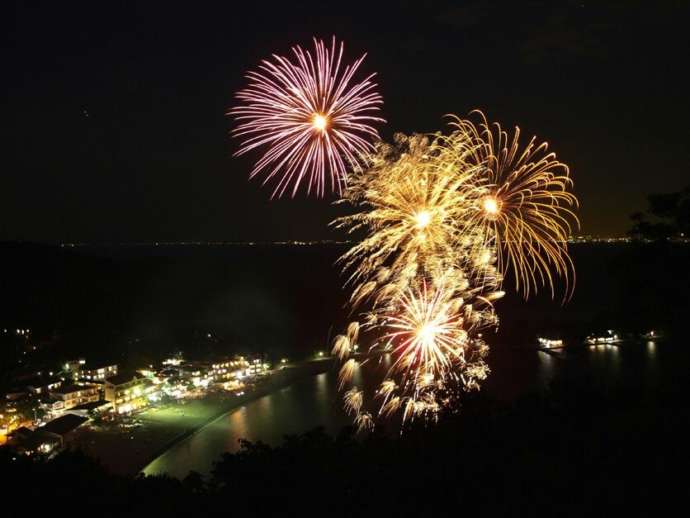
[(312, 118)]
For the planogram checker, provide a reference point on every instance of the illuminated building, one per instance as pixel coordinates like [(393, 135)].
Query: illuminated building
[(233, 385), (128, 392), (99, 373), (88, 409), (28, 442), (198, 373), (52, 405), (48, 438), (176, 361), (73, 367), (17, 412), (257, 368), (43, 385), (227, 370), (75, 395)]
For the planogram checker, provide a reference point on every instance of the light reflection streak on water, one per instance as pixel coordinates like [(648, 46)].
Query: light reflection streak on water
[(238, 427), (546, 369), (357, 379)]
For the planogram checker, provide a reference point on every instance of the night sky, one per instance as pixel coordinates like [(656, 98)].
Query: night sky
[(114, 126)]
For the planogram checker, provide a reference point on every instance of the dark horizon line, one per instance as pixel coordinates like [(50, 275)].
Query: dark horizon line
[(284, 242), (76, 244)]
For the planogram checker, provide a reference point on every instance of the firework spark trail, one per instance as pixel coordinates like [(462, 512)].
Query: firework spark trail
[(426, 335), (312, 117), (413, 211), (416, 272), (445, 218), (525, 212), (433, 339)]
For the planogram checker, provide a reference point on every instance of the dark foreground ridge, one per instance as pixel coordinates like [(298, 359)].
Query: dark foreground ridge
[(557, 454)]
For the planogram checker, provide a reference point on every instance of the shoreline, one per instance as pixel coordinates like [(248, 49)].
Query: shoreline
[(314, 367), (130, 453)]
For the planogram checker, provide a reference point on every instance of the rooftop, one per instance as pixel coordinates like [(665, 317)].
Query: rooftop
[(65, 424), (197, 365), (21, 432), (41, 381), (38, 438), (91, 406), (100, 366), (48, 399), (123, 377), (68, 389)]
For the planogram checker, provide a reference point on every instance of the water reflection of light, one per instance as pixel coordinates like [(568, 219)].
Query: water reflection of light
[(614, 359), (266, 403), (651, 349), (547, 367), (237, 429), (322, 390), (357, 376)]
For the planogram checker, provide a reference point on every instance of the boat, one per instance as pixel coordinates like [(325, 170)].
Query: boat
[(652, 335), (609, 338), (548, 343)]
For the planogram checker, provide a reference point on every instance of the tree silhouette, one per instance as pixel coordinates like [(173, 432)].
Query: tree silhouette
[(667, 216)]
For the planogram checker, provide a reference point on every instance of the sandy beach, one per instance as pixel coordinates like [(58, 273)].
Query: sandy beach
[(127, 452)]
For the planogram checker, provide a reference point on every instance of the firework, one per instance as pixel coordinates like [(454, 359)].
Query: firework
[(416, 272), (445, 218), (521, 208), (364, 421), (346, 372), (436, 351), (311, 117), (414, 213), (427, 337), (432, 337), (353, 400)]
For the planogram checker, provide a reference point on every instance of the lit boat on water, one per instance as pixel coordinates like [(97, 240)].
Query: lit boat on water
[(608, 339), (653, 335), (548, 343)]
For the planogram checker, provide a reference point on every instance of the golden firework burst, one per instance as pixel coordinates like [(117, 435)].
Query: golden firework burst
[(524, 209), (414, 211), (445, 218)]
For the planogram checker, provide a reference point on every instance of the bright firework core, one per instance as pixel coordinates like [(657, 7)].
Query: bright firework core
[(427, 334), (490, 205), (423, 218), (320, 122)]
